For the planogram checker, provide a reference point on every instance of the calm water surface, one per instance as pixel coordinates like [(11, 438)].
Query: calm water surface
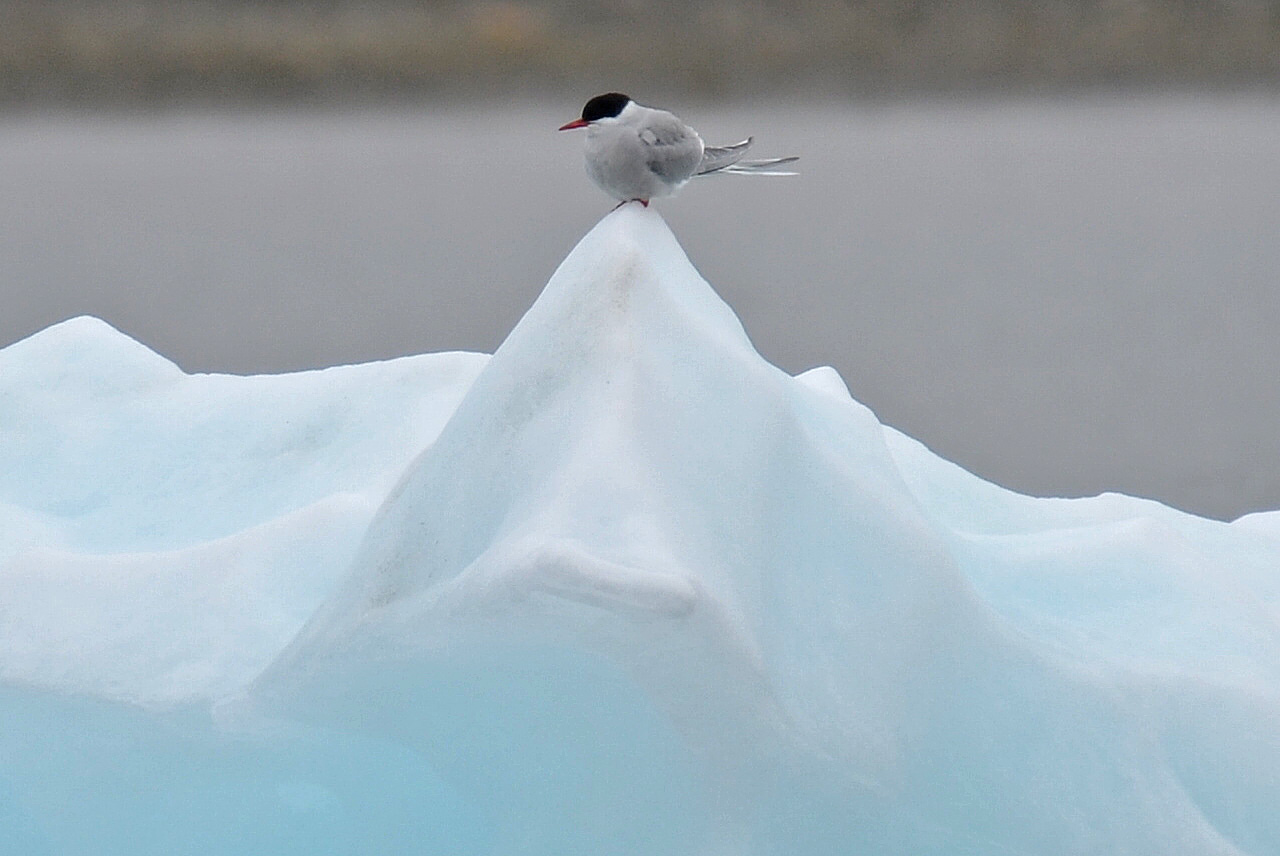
[(1064, 295)]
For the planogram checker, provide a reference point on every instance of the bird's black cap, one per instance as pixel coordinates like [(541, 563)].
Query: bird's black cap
[(606, 106)]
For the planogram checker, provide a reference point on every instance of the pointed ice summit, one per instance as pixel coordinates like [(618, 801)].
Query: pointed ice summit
[(659, 565), (628, 589)]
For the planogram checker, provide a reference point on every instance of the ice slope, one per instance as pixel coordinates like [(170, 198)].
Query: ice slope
[(163, 535), (639, 591)]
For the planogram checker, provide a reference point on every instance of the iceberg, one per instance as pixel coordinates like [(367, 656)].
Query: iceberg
[(622, 587)]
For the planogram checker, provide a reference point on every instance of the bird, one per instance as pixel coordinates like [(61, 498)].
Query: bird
[(637, 153)]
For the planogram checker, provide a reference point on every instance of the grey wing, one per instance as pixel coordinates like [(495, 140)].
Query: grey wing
[(716, 158), (674, 149)]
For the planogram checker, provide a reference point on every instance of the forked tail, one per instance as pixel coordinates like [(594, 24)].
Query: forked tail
[(761, 167)]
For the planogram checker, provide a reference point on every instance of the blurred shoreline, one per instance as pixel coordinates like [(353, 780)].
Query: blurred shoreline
[(141, 52)]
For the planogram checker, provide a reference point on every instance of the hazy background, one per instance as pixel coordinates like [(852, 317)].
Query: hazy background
[(149, 50), (1040, 237)]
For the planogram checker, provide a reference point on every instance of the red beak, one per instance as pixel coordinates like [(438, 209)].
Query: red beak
[(576, 123)]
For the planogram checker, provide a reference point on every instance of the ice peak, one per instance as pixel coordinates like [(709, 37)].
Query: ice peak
[(81, 332), (627, 388), (625, 272), (89, 349), (627, 464)]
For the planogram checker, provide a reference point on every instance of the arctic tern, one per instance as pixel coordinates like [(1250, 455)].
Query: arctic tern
[(638, 153)]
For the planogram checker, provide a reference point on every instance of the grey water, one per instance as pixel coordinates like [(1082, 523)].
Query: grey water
[(1065, 295)]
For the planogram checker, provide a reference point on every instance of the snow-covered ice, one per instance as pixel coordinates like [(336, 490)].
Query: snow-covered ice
[(621, 588)]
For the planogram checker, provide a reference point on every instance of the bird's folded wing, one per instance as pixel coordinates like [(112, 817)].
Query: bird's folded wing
[(716, 158)]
